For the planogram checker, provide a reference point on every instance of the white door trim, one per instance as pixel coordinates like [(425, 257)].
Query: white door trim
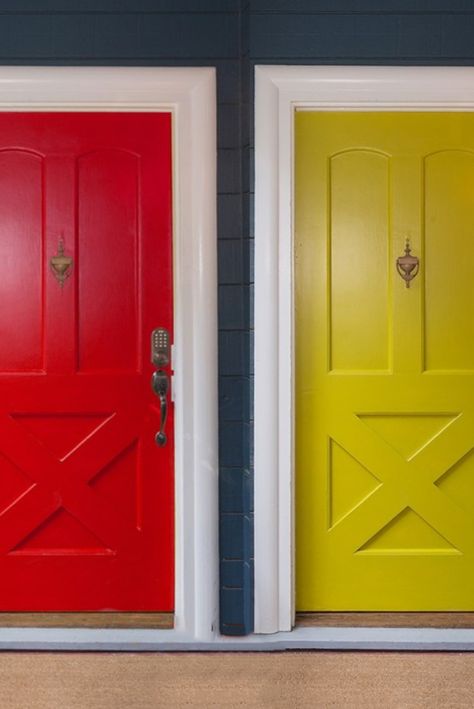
[(279, 91), (189, 93)]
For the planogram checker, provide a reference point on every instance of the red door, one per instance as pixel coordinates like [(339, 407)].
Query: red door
[(86, 495)]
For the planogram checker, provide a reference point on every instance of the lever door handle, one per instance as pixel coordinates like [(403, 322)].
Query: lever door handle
[(160, 384)]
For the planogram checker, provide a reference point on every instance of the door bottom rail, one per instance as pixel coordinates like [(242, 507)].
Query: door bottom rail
[(379, 619), (109, 619)]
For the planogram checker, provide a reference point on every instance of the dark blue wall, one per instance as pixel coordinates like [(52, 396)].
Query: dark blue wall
[(362, 31), (233, 36)]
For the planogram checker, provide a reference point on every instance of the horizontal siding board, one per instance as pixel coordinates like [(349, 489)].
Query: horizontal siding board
[(213, 35), (232, 574), (229, 216), (457, 36), (234, 307), (420, 36), (114, 36), (119, 6), (231, 261), (228, 126), (286, 36), (234, 399), (232, 606), (234, 353), (65, 42), (236, 534), (235, 491), (231, 443), (228, 80), (229, 171), (236, 630), (86, 35), (363, 6), (34, 38), (237, 604)]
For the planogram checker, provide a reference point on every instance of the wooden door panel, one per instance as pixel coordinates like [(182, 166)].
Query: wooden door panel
[(358, 206), (384, 389), (86, 500), (21, 190), (449, 299), (108, 234)]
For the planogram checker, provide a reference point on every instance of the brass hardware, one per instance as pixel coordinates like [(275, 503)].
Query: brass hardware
[(408, 265), (61, 264)]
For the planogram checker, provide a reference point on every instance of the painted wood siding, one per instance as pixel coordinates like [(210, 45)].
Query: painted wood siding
[(362, 31)]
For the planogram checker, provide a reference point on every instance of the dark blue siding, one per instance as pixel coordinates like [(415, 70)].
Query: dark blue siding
[(361, 31), (233, 36)]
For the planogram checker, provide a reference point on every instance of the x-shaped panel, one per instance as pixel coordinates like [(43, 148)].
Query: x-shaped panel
[(405, 483), (65, 484)]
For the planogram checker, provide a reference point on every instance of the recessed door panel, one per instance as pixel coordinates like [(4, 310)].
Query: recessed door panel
[(449, 305), (384, 435), (21, 254), (108, 245), (359, 194)]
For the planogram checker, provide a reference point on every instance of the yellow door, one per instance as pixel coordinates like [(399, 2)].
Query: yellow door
[(385, 372)]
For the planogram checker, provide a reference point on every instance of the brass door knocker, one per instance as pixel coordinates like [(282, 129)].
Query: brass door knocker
[(408, 265), (61, 265)]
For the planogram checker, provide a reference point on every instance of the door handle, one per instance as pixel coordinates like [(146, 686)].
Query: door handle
[(160, 384)]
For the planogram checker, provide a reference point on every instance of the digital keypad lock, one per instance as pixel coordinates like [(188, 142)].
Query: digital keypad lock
[(160, 347)]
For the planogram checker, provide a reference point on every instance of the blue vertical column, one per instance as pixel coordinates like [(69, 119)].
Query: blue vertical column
[(236, 357)]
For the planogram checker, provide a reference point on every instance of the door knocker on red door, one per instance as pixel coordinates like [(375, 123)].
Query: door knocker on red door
[(61, 265)]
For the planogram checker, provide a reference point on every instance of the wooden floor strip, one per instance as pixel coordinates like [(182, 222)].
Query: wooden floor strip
[(385, 620), (237, 680), (87, 620)]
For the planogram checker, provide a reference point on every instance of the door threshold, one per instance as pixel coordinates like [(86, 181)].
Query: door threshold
[(111, 619), (378, 619)]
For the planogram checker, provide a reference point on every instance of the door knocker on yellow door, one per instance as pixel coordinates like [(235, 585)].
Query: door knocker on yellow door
[(408, 265)]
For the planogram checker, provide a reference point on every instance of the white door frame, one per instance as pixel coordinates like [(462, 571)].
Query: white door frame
[(279, 91), (189, 94)]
